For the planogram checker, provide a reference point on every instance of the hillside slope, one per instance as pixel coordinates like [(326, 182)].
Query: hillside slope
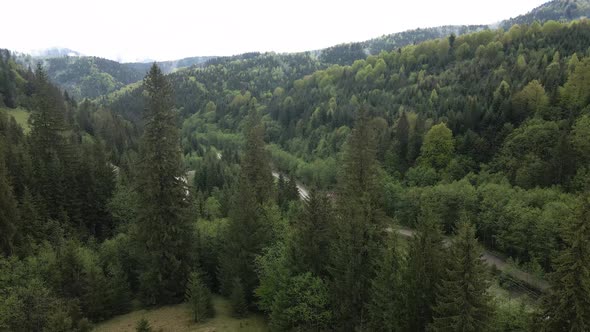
[(557, 10), (89, 77)]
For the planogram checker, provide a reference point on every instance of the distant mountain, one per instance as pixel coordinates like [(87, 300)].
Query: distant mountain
[(54, 52), (89, 76), (345, 54), (170, 66), (557, 10), (92, 77)]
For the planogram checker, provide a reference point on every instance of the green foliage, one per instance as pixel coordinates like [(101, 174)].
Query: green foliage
[(529, 152), (9, 218), (387, 307), (310, 238), (358, 227), (438, 147), (143, 325), (163, 231), (238, 299), (198, 297), (252, 218), (462, 301), (90, 77), (580, 138), (426, 257), (293, 301), (302, 303), (532, 100), (567, 306)]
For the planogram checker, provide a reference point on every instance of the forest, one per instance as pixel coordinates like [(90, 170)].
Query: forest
[(321, 192)]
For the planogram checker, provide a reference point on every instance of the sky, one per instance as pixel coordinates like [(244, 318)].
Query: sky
[(128, 30)]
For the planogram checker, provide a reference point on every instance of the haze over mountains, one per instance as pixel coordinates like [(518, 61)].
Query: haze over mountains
[(88, 76)]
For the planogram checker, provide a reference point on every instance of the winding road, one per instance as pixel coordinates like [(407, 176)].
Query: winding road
[(487, 256)]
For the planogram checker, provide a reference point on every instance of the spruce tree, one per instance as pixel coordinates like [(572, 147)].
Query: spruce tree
[(163, 231), (310, 238), (462, 300), (198, 297), (402, 134), (386, 307), (291, 190), (567, 306), (255, 162), (281, 193), (426, 255), (47, 146), (358, 228), (246, 235), (8, 211)]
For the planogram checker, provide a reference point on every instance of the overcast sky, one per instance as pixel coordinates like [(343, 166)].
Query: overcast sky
[(172, 29)]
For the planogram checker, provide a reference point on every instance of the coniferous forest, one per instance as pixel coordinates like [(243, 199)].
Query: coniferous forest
[(432, 180)]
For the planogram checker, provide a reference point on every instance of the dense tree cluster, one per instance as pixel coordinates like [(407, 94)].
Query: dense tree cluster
[(188, 184)]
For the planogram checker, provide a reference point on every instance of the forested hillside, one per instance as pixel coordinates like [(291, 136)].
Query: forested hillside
[(556, 10), (346, 54), (89, 77), (169, 66), (184, 185)]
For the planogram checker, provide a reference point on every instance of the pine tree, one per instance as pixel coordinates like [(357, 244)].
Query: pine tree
[(9, 220), (163, 231), (462, 301), (402, 136), (424, 268), (281, 194), (238, 299), (309, 240), (246, 235), (358, 228), (291, 190), (256, 162), (244, 239), (48, 145), (567, 306), (387, 306), (198, 297)]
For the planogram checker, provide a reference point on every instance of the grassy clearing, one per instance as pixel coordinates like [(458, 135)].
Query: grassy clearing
[(177, 318), (20, 115)]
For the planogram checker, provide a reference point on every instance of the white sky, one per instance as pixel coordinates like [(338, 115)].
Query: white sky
[(171, 29)]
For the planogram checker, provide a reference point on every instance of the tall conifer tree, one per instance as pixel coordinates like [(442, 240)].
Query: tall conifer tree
[(246, 235), (8, 210), (567, 306), (358, 228), (424, 268), (48, 143), (310, 238), (163, 231), (462, 301), (387, 311)]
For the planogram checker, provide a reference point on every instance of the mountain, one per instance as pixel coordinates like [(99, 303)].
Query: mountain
[(557, 10), (513, 104), (346, 54), (54, 52), (220, 80), (169, 66), (90, 77)]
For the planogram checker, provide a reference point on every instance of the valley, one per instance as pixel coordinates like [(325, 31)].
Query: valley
[(434, 179)]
